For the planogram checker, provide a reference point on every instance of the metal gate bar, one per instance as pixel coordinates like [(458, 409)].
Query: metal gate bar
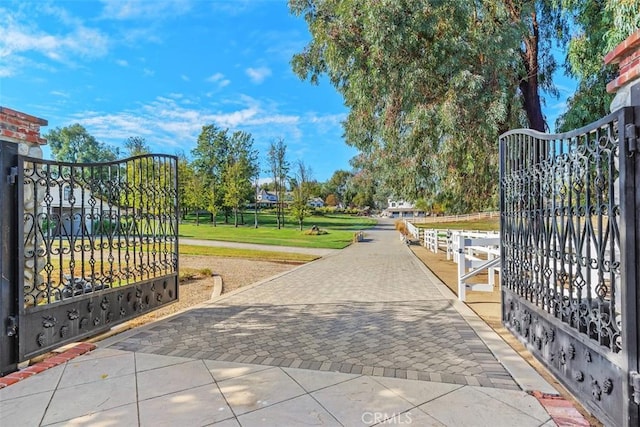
[(570, 254), (99, 246), (8, 261)]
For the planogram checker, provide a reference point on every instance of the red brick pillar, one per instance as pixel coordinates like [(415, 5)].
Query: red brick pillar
[(627, 85), (24, 130)]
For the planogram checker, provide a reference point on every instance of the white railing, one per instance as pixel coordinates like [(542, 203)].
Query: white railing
[(475, 255), (413, 231), (451, 218), (473, 251), (435, 240)]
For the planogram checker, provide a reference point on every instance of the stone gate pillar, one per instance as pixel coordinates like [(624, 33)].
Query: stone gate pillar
[(627, 94), (24, 131), (627, 85)]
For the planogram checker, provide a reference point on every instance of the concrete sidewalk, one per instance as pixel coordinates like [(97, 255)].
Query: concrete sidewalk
[(364, 336)]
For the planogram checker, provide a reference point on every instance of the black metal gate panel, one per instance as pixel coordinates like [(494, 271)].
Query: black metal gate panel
[(98, 245), (8, 264), (569, 229)]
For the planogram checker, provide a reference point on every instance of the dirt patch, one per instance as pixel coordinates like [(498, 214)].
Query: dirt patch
[(487, 306)]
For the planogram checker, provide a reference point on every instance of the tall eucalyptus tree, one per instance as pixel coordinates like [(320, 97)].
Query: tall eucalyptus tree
[(430, 84)]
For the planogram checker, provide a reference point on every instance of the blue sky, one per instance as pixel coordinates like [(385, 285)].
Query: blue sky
[(161, 69)]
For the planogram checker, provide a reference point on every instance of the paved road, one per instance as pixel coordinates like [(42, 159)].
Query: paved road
[(368, 309), (360, 336)]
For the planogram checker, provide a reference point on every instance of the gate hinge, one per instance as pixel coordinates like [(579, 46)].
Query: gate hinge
[(635, 384), (12, 326), (631, 133), (13, 175)]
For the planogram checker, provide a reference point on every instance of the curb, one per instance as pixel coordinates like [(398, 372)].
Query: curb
[(48, 363), (562, 411), (217, 286)]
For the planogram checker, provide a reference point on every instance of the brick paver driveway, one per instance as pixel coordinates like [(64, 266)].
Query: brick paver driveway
[(368, 309)]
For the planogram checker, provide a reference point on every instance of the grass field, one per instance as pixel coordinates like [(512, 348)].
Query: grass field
[(484, 224), (246, 254), (339, 231)]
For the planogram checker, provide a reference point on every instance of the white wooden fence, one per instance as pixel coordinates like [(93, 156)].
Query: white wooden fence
[(473, 256), (451, 218), (473, 252)]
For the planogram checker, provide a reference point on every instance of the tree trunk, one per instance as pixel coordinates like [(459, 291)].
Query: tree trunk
[(532, 106), (529, 84)]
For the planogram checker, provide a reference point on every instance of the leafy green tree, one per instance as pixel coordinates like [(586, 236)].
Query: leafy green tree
[(136, 146), (599, 26), (74, 144), (189, 190), (338, 185), (239, 172), (363, 187), (279, 168), (209, 162), (301, 188), (140, 174), (431, 84), (315, 188)]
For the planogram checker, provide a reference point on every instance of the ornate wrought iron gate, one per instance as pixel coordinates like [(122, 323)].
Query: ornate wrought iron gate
[(571, 257), (97, 244)]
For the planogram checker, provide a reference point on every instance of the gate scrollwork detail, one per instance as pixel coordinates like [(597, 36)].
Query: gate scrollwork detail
[(563, 249), (98, 243)]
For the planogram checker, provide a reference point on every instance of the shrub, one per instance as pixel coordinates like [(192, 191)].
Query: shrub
[(48, 225), (105, 226), (315, 231), (401, 227), (206, 272), (326, 210)]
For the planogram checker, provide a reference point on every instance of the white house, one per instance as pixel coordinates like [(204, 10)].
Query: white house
[(401, 209), (75, 210), (267, 197), (315, 202)]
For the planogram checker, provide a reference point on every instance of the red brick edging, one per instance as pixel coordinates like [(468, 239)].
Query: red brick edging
[(50, 362), (562, 411)]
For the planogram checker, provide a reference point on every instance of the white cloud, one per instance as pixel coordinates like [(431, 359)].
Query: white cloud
[(148, 72), (148, 10), (20, 37), (215, 77), (60, 93), (184, 77), (257, 75), (169, 123), (219, 79), (122, 62)]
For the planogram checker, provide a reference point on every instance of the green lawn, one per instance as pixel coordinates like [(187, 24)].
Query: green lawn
[(339, 230), (288, 257), (485, 224)]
